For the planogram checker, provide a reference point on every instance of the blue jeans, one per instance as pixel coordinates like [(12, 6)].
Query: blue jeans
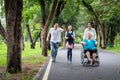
[(54, 49)]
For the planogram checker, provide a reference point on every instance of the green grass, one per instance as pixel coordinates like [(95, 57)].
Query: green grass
[(32, 55), (114, 49), (28, 55), (3, 54)]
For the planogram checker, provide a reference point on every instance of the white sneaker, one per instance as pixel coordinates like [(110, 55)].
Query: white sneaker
[(53, 60), (69, 61)]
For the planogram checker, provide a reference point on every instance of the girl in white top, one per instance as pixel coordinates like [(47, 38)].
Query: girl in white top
[(70, 36)]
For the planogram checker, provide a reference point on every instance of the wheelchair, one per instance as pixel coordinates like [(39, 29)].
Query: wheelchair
[(84, 60)]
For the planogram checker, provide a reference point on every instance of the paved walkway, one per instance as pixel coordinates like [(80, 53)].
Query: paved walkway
[(109, 68)]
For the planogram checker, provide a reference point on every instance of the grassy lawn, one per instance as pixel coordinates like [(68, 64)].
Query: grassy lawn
[(32, 55), (32, 60), (3, 54), (28, 55), (114, 49)]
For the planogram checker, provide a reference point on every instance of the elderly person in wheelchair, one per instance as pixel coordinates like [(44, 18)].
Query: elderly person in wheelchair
[(90, 48)]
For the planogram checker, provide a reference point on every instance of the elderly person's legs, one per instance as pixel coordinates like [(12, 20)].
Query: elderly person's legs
[(94, 56), (88, 56)]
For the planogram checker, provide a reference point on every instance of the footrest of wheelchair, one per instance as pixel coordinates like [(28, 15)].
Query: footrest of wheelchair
[(96, 64)]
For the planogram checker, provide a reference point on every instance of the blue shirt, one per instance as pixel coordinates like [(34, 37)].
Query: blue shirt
[(89, 44)]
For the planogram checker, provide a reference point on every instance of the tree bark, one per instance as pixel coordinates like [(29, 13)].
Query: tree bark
[(13, 12), (102, 32), (43, 16), (22, 42), (35, 40)]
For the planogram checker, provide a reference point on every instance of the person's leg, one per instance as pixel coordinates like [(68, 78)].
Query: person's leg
[(94, 56), (56, 49), (88, 55), (52, 46), (70, 55)]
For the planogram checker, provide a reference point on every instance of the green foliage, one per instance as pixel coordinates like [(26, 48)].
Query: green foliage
[(70, 11), (117, 40), (32, 55), (89, 1), (2, 14), (3, 54), (78, 36), (31, 15), (29, 77), (114, 49)]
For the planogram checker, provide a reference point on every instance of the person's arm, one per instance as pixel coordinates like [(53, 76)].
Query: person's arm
[(66, 35), (63, 28), (48, 36), (83, 42), (96, 43), (73, 36)]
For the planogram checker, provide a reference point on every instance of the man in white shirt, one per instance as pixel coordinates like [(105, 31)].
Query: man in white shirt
[(90, 30), (55, 37)]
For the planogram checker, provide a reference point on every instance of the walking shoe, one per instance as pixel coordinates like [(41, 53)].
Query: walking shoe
[(69, 61), (89, 62), (93, 62), (53, 60)]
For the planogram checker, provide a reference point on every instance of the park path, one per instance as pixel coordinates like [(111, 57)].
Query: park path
[(109, 68)]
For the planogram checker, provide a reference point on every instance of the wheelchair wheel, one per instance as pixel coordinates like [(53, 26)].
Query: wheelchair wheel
[(97, 64), (82, 57)]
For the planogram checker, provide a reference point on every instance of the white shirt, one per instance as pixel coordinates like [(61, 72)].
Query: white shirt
[(92, 31), (55, 34)]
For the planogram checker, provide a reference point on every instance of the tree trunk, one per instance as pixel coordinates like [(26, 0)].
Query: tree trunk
[(22, 42), (45, 24), (96, 28), (102, 33), (32, 41), (35, 40), (42, 4), (44, 44), (13, 10), (63, 37), (30, 36), (89, 7)]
